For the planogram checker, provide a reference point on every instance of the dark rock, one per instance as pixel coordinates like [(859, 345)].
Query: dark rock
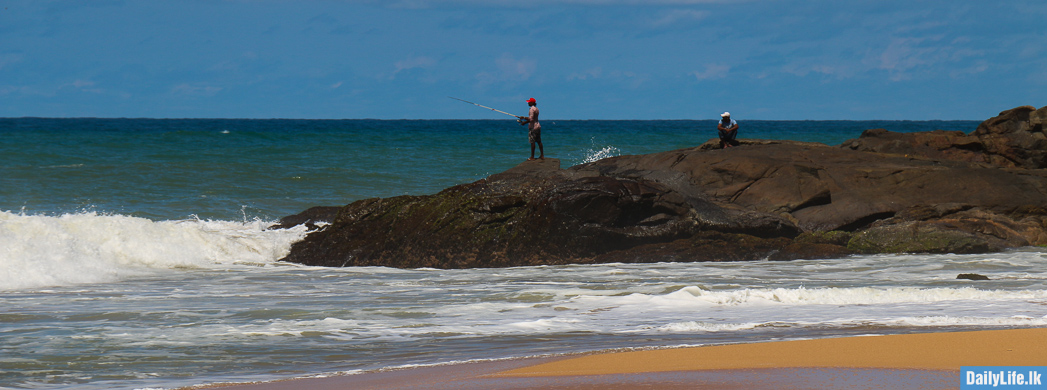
[(1013, 139), (774, 200), (816, 245), (822, 188), (522, 218), (796, 251), (310, 218), (972, 277), (703, 246)]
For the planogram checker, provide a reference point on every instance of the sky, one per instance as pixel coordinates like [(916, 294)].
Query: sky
[(581, 59)]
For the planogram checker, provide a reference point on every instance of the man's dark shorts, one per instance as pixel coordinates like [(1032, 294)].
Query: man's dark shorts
[(534, 135)]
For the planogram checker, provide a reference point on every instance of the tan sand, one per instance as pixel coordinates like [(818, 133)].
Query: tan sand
[(926, 360), (930, 351)]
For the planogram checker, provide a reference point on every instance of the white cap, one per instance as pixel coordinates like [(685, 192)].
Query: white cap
[(725, 113)]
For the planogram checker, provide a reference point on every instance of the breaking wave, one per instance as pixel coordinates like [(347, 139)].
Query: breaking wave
[(40, 251)]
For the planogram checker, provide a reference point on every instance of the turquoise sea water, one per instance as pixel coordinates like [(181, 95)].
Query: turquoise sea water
[(134, 254)]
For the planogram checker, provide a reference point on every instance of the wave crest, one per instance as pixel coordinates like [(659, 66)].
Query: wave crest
[(697, 296), (39, 251)]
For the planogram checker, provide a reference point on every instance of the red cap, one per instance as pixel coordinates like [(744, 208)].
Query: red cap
[(531, 100)]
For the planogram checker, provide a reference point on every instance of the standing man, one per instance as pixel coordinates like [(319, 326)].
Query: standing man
[(728, 129), (534, 129)]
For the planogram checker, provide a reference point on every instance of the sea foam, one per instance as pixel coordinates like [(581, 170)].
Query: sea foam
[(697, 297), (40, 251)]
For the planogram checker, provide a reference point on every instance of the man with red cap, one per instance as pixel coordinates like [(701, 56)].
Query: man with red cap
[(534, 129)]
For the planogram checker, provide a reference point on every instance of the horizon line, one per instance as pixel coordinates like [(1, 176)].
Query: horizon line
[(480, 119)]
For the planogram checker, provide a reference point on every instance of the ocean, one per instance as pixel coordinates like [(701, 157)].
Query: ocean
[(134, 254)]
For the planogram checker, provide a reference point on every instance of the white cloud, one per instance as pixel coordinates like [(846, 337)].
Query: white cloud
[(901, 55), (417, 4), (1039, 77), (412, 63), (591, 73), (625, 78), (904, 56), (647, 2), (195, 89), (83, 86), (9, 58), (804, 67), (680, 15), (515, 68), (82, 83), (976, 68), (712, 71), (509, 69)]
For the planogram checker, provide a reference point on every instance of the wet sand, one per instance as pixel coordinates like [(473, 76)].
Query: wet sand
[(926, 360)]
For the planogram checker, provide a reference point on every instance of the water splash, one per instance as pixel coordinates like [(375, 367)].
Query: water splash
[(597, 152)]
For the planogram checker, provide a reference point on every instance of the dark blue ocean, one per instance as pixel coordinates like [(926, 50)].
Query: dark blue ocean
[(134, 254)]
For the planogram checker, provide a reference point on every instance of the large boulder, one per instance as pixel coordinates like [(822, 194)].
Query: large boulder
[(533, 214), (1013, 139)]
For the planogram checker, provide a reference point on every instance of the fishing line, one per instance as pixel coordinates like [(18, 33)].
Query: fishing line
[(518, 119)]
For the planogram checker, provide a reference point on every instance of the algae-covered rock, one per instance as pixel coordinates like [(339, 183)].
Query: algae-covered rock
[(920, 237), (832, 237)]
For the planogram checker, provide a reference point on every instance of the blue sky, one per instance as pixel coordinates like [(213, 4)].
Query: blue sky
[(581, 59)]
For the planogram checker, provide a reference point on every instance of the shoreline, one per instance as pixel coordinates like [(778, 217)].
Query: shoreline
[(918, 360)]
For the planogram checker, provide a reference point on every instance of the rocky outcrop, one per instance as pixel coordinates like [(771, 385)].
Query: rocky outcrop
[(883, 193), (1013, 139), (533, 214)]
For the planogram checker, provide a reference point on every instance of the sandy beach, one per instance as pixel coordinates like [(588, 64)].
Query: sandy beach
[(926, 360)]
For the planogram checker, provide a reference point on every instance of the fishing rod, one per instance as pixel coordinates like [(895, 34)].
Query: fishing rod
[(489, 108)]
